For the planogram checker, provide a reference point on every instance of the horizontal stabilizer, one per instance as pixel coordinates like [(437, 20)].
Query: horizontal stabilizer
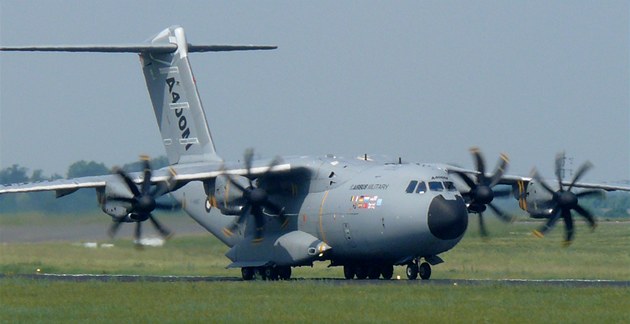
[(135, 48)]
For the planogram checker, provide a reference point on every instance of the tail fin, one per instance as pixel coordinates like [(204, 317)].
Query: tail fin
[(172, 88), (176, 102)]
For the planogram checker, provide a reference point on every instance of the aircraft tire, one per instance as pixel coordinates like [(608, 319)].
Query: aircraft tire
[(425, 271), (387, 271), (361, 272), (271, 273), (261, 273), (284, 272), (248, 273), (348, 271), (374, 272), (412, 271)]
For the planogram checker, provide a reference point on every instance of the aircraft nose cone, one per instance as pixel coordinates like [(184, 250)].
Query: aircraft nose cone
[(447, 219)]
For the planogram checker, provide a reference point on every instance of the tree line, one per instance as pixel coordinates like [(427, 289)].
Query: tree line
[(81, 201)]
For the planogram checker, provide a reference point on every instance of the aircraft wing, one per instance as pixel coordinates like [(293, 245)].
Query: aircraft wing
[(182, 175), (513, 180), (61, 187)]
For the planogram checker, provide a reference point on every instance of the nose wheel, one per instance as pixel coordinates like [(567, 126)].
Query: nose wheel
[(413, 270)]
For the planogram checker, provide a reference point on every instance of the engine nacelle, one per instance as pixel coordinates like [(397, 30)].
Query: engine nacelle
[(534, 199), (115, 208), (229, 198)]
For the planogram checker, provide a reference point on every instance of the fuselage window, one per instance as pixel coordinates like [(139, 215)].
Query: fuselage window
[(450, 186), (412, 186), (436, 186), (422, 187)]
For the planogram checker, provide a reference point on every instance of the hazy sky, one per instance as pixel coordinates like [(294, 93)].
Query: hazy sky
[(424, 80)]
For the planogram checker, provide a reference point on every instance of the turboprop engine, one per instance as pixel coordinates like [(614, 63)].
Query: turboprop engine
[(229, 198), (112, 207)]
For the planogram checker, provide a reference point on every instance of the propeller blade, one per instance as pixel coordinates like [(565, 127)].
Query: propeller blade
[(568, 225), (113, 229), (138, 232), (236, 184), (536, 176), (229, 231), (130, 184), (163, 206), (555, 215), (146, 181), (123, 199), (499, 171), (259, 221), (482, 227), (481, 166), (249, 158), (469, 181), (503, 216), (164, 232), (165, 186), (558, 170), (502, 193), (590, 193), (580, 172), (587, 215)]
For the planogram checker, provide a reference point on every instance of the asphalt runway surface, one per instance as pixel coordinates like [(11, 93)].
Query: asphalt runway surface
[(438, 282)]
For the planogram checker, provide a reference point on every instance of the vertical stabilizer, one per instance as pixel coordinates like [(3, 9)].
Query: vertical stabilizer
[(172, 88), (176, 102)]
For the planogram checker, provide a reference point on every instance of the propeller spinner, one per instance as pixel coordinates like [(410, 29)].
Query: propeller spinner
[(143, 202), (563, 201)]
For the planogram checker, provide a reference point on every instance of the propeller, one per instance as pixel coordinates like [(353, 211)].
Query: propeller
[(143, 202), (256, 200), (563, 201), (481, 193)]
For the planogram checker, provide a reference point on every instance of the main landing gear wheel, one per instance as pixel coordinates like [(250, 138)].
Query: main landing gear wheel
[(361, 272), (412, 271), (348, 271), (284, 273), (248, 273), (374, 272), (387, 271), (271, 273), (425, 271)]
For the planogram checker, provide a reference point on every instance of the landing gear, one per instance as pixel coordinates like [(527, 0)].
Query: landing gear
[(387, 271), (248, 273), (284, 273), (270, 273), (266, 273), (412, 271), (425, 271), (368, 271), (361, 272), (348, 271)]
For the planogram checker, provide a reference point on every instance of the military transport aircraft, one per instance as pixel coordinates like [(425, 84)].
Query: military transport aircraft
[(365, 214)]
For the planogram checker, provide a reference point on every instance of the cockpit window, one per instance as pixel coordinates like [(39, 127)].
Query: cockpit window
[(450, 186), (422, 187), (412, 186), (436, 186)]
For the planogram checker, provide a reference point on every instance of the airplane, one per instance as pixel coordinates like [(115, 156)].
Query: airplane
[(366, 214)]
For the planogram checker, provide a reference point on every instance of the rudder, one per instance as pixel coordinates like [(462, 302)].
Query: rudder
[(176, 101)]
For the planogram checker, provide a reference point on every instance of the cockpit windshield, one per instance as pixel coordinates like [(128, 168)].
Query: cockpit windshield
[(436, 186)]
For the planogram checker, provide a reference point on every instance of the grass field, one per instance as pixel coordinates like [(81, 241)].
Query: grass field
[(511, 252)]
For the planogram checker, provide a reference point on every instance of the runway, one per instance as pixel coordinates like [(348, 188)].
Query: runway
[(337, 281)]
